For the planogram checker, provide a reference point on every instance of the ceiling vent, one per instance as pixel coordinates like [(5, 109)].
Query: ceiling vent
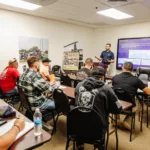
[(117, 1), (42, 2), (95, 24)]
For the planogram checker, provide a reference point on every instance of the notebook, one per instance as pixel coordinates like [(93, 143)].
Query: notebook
[(6, 127)]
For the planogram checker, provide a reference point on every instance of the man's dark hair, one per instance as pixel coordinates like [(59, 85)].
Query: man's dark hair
[(98, 72), (108, 44), (128, 66), (32, 60), (46, 60)]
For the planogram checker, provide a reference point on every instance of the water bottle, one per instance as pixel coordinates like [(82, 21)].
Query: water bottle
[(37, 117)]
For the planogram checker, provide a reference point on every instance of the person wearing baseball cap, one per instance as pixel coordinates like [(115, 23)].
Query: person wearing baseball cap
[(95, 94), (45, 69)]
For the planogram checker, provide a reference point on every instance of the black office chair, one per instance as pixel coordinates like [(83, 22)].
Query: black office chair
[(143, 73), (25, 103), (85, 125), (56, 70), (29, 112), (61, 104), (76, 82), (65, 80), (80, 77), (126, 96)]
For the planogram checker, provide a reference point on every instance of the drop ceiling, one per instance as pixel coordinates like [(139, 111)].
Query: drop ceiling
[(83, 12)]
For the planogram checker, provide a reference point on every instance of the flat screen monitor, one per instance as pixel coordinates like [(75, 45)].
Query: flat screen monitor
[(135, 50)]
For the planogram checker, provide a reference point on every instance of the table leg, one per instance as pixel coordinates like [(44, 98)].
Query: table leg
[(116, 131), (142, 114), (147, 110)]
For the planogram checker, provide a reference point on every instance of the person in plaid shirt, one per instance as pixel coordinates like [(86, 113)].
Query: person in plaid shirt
[(35, 86)]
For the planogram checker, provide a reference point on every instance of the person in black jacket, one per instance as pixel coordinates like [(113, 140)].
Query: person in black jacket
[(95, 94)]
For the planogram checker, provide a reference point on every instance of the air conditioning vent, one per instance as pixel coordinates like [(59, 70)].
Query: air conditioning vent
[(117, 1), (42, 2), (95, 24)]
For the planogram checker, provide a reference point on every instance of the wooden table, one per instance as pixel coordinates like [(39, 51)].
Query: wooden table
[(29, 141), (70, 92), (74, 78)]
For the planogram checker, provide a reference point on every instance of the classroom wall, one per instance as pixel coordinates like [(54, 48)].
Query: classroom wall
[(92, 41), (13, 25), (112, 34)]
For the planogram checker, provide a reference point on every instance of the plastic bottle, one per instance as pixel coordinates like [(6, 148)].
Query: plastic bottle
[(37, 117)]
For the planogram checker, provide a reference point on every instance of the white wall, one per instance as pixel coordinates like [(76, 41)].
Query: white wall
[(59, 34), (92, 41), (112, 34)]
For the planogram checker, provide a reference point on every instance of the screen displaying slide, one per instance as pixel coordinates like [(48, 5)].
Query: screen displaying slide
[(136, 50)]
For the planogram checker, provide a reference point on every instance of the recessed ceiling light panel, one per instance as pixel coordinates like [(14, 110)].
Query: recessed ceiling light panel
[(20, 4), (114, 13)]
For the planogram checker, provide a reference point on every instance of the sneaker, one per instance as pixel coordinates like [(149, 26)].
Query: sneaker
[(47, 126), (126, 125)]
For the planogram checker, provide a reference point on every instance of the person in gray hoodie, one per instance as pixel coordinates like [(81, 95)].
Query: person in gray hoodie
[(95, 94)]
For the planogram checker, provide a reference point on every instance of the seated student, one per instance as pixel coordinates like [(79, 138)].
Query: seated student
[(9, 77), (35, 86), (94, 93), (85, 72), (7, 139), (45, 69), (129, 83)]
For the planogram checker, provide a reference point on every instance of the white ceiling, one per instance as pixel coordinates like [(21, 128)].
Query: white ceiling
[(83, 12)]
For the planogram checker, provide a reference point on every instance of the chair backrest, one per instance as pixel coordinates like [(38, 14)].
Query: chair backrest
[(76, 82), (65, 80), (85, 124), (23, 99), (56, 69), (124, 95), (81, 75), (61, 101), (143, 72)]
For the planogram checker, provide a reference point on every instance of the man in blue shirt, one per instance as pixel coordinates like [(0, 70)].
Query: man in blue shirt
[(107, 56)]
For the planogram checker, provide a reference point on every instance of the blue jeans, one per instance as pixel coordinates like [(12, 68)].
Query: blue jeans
[(14, 94), (11, 92), (48, 105)]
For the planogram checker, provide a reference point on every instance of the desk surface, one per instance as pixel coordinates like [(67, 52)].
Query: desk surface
[(70, 92), (73, 77), (29, 141)]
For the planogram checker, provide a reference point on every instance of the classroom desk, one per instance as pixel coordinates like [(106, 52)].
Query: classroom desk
[(74, 78), (29, 141), (70, 92)]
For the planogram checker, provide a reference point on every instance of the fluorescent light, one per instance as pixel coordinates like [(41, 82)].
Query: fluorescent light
[(20, 4), (114, 13)]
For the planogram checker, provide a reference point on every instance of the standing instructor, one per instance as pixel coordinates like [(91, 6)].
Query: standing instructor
[(107, 56)]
